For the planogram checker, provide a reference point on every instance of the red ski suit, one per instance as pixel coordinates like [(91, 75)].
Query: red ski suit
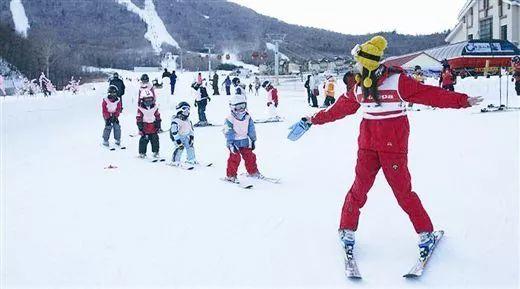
[(383, 142)]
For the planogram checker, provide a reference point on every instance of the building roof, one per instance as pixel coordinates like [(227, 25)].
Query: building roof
[(401, 60)]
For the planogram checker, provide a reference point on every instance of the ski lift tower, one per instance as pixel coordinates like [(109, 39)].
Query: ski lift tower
[(277, 39), (209, 47)]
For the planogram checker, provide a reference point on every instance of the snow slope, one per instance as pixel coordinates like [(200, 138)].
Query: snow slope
[(157, 33), (69, 223), (20, 20)]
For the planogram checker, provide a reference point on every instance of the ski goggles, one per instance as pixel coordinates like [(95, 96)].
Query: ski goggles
[(240, 107), (185, 108), (356, 51)]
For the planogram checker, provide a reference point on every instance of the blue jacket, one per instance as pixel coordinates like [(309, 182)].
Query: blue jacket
[(173, 79), (230, 133)]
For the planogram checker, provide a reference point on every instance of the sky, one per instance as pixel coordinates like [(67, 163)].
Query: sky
[(359, 17)]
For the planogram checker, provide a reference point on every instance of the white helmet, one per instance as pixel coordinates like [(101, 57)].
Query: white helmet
[(238, 103)]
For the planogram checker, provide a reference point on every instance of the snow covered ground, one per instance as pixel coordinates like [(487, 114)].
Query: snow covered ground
[(69, 223)]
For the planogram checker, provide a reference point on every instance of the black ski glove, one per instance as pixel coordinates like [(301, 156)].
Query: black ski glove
[(195, 103), (108, 122), (209, 99), (140, 126), (253, 145), (179, 144), (157, 124), (191, 140)]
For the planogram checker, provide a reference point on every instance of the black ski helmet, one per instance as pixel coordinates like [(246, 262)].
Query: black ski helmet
[(116, 75), (145, 78), (266, 83), (181, 108), (516, 59), (236, 81), (112, 89), (417, 67)]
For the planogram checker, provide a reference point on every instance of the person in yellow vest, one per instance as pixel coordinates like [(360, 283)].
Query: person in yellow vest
[(418, 76), (329, 86)]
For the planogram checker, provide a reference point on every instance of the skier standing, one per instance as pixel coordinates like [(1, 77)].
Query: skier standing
[(239, 130), (118, 82), (166, 73), (448, 79), (111, 108), (515, 62), (146, 90), (201, 101), (173, 82), (308, 89), (330, 93), (314, 86), (181, 133), (227, 85), (45, 84), (272, 100), (239, 88), (417, 76), (214, 84), (149, 124), (383, 139), (257, 85)]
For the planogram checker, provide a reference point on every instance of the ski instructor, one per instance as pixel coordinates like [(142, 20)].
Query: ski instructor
[(381, 93)]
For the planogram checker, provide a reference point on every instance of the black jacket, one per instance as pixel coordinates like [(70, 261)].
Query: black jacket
[(117, 82)]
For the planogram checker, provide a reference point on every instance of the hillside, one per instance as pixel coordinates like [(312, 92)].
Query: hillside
[(106, 33)]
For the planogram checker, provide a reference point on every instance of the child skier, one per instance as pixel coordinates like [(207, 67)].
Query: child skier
[(239, 88), (515, 62), (111, 108), (240, 133), (201, 101), (181, 133), (149, 124), (330, 93), (448, 79), (146, 89), (383, 139), (272, 100)]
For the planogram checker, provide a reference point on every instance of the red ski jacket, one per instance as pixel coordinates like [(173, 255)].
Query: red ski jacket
[(385, 127), (111, 108), (148, 117), (447, 78)]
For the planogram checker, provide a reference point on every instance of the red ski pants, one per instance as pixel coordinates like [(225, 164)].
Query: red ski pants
[(234, 161), (395, 169)]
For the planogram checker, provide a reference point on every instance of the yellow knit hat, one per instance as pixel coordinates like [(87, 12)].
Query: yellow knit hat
[(369, 55)]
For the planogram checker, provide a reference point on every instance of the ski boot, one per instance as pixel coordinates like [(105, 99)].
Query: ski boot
[(174, 164), (426, 243), (142, 156), (106, 143), (232, 179), (156, 155), (118, 143), (192, 162), (347, 240), (256, 175)]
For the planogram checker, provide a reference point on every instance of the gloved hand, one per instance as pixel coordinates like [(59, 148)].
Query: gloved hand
[(209, 99), (253, 146), (179, 144), (140, 126), (269, 104), (191, 140), (232, 148), (195, 103), (157, 124), (113, 119), (299, 129), (108, 122), (276, 104)]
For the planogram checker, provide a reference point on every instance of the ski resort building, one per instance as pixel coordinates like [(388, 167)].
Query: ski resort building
[(409, 61), (488, 19)]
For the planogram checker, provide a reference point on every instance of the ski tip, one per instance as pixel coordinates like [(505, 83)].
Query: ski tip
[(411, 276)]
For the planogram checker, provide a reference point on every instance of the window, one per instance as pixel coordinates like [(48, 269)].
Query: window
[(503, 32), (470, 36), (486, 29), (470, 18), (483, 4), (500, 8)]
